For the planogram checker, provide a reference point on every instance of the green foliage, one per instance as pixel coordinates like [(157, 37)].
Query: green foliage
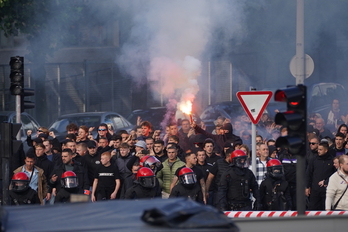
[(35, 18)]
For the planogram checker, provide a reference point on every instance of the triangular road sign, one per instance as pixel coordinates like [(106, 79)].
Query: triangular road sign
[(254, 103)]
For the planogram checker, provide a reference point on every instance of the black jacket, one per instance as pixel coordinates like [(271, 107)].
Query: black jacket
[(235, 186), (45, 164), (193, 192), (80, 172), (275, 194), (139, 192), (289, 164), (27, 197), (319, 168)]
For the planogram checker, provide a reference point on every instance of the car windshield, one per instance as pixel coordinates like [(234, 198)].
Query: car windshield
[(89, 121), (233, 110)]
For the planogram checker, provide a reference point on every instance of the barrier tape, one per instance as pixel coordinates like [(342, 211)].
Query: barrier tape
[(260, 214)]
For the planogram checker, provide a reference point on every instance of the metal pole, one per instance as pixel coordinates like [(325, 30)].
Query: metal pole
[(5, 150), (253, 148), (18, 114), (300, 56), (300, 166)]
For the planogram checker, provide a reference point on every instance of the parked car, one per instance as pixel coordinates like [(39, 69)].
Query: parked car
[(154, 115), (232, 110), (90, 119), (28, 122)]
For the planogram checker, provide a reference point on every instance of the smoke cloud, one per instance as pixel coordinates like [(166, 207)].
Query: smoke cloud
[(169, 40)]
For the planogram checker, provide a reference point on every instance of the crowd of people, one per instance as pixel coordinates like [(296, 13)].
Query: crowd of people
[(185, 160)]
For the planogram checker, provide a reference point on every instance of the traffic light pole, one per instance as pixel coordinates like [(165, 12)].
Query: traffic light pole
[(18, 113), (5, 165), (300, 185)]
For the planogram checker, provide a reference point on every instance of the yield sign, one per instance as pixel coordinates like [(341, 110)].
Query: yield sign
[(254, 103)]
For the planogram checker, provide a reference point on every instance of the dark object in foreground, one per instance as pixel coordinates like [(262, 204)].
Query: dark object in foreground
[(186, 213), (114, 215)]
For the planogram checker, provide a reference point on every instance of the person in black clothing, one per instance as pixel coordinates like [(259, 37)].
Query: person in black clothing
[(92, 161), (103, 145), (214, 176), (338, 147), (69, 165), (202, 164), (187, 186), (69, 185), (220, 139), (130, 180), (20, 191), (151, 162), (208, 147), (145, 186), (42, 161), (320, 168), (289, 162), (191, 162), (274, 190), (121, 162), (235, 185), (106, 180), (160, 153), (313, 152), (173, 140), (103, 132)]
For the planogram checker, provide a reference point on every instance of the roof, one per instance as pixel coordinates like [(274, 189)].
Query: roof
[(87, 114), (114, 215)]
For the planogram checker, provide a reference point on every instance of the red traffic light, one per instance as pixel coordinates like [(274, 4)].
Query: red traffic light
[(294, 96), (280, 96)]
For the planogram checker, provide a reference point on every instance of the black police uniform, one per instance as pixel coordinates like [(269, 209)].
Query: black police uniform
[(234, 190), (139, 192), (27, 197)]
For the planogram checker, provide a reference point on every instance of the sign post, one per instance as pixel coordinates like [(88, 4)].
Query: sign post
[(254, 104)]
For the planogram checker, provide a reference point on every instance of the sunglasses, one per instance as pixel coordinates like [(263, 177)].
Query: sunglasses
[(40, 130), (312, 143), (101, 129)]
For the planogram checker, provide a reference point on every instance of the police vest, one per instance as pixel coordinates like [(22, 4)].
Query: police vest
[(23, 199), (274, 197), (141, 192), (239, 185)]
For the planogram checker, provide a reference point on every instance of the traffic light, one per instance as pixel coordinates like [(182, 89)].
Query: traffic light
[(295, 119), (27, 104), (9, 143), (17, 75)]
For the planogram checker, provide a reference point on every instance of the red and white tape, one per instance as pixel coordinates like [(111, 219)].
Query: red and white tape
[(259, 214)]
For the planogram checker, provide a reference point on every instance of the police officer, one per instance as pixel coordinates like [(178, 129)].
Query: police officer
[(187, 186), (20, 191), (235, 184), (69, 185), (146, 185), (274, 190)]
